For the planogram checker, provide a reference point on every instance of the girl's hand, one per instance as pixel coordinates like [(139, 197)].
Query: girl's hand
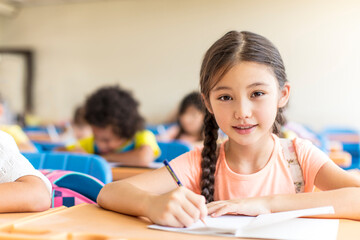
[(247, 206), (178, 208)]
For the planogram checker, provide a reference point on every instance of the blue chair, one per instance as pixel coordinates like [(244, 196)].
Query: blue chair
[(41, 129), (349, 137), (171, 150), (93, 165), (157, 129), (46, 146)]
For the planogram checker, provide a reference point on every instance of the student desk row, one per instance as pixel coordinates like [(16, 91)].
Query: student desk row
[(89, 222), (121, 172)]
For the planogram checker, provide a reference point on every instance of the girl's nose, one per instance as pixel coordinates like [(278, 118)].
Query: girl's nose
[(242, 110)]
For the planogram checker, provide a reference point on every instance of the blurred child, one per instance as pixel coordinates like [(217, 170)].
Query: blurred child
[(118, 129), (76, 129), (8, 125), (190, 121), (81, 129)]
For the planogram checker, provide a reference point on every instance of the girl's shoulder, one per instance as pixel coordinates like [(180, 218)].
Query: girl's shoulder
[(301, 145), (309, 156)]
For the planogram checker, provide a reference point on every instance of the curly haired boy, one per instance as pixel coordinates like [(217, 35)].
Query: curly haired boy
[(118, 129)]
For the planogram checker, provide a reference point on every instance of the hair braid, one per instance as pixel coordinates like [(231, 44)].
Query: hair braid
[(280, 121), (209, 157)]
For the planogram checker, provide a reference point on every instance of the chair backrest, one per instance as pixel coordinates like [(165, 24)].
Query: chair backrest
[(90, 164), (159, 128), (171, 150), (46, 146)]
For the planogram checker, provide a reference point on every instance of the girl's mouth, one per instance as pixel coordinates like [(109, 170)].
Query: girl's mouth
[(245, 129)]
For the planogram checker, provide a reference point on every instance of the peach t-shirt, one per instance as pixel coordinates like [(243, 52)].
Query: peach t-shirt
[(274, 178)]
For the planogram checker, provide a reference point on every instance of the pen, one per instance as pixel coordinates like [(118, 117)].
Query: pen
[(177, 180)]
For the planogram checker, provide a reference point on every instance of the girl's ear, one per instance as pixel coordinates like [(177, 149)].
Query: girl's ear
[(207, 103), (284, 95)]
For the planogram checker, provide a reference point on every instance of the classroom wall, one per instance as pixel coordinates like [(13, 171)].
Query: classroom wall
[(155, 47)]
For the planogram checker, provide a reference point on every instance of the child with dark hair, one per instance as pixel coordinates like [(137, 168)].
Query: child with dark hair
[(190, 121), (75, 130), (118, 129), (245, 89)]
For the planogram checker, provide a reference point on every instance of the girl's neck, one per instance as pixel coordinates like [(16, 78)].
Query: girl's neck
[(248, 159)]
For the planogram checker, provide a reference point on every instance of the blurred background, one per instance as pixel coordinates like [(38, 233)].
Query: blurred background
[(54, 53)]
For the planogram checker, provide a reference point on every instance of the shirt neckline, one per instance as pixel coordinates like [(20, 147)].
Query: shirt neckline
[(223, 164)]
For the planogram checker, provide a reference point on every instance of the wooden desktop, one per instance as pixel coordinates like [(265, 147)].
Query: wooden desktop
[(87, 221)]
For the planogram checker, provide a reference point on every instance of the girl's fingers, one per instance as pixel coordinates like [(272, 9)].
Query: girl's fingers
[(183, 217), (223, 210), (214, 203), (174, 222), (192, 210), (214, 207), (198, 201)]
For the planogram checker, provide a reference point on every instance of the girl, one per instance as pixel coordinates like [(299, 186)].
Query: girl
[(190, 121), (244, 87)]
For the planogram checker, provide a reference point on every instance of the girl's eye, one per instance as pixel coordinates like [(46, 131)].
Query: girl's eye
[(257, 94), (225, 98)]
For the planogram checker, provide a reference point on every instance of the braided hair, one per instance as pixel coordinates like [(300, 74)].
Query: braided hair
[(231, 49)]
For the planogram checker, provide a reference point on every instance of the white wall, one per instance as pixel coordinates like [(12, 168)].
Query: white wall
[(155, 48)]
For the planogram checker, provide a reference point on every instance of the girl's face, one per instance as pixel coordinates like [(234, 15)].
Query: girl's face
[(106, 140), (245, 102), (192, 120)]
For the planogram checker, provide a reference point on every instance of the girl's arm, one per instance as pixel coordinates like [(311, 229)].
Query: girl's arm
[(27, 147), (340, 190), (77, 149), (169, 135), (156, 196), (141, 156), (26, 194)]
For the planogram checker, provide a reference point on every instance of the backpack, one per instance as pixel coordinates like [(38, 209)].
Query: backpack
[(293, 164), (71, 188)]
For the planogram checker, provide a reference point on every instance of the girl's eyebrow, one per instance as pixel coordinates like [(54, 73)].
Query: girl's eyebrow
[(257, 84), (219, 88)]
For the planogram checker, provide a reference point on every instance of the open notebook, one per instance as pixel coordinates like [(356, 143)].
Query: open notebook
[(283, 225)]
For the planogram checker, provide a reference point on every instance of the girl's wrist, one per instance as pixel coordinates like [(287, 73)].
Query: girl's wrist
[(270, 203), (147, 204)]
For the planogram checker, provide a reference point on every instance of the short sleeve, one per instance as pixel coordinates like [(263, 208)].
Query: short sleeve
[(87, 144), (188, 169), (311, 160), (146, 137), (13, 164)]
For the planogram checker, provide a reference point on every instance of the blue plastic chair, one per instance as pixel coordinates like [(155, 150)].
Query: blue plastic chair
[(171, 150), (47, 146), (157, 129), (90, 164), (351, 147)]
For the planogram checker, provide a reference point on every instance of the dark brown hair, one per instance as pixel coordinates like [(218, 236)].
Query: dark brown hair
[(79, 116), (115, 107), (231, 49), (192, 99)]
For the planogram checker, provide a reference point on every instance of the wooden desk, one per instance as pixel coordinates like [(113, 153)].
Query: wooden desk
[(125, 172), (85, 222)]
